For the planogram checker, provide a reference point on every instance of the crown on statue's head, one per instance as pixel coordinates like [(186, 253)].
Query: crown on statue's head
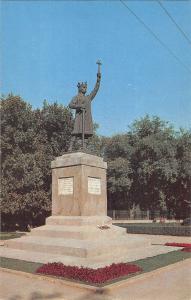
[(82, 84)]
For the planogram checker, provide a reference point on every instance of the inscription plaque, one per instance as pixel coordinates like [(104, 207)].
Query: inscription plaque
[(94, 186), (66, 186)]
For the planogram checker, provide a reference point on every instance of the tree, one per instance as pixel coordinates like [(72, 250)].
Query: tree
[(96, 143), (143, 164), (181, 189), (117, 152), (153, 161), (30, 140)]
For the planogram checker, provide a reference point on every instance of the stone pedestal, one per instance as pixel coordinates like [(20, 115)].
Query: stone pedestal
[(79, 231), (79, 185)]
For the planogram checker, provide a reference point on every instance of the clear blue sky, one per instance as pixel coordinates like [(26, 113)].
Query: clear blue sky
[(48, 46)]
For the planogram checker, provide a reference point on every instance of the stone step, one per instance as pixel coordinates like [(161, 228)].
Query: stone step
[(76, 232), (77, 248), (39, 257), (96, 262), (78, 220)]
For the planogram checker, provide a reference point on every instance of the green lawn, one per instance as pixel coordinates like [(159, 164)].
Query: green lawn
[(19, 265), (10, 235), (149, 224), (162, 260), (147, 264), (157, 228)]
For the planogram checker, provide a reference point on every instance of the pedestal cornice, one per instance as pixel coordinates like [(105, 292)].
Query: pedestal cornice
[(78, 158)]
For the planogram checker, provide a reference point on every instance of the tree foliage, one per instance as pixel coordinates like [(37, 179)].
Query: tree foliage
[(181, 189), (153, 163), (30, 140), (117, 152)]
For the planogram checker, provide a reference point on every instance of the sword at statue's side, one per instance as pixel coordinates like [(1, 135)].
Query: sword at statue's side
[(83, 127)]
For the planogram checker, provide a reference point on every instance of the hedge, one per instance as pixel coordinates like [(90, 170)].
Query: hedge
[(177, 230)]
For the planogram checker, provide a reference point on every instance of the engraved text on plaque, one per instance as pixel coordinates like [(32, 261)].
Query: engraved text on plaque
[(66, 186), (94, 185)]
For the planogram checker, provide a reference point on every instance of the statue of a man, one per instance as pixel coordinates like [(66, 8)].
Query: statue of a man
[(83, 124)]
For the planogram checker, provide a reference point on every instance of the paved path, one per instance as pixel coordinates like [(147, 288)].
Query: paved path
[(170, 283)]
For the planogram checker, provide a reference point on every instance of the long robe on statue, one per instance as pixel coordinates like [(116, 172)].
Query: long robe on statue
[(78, 103)]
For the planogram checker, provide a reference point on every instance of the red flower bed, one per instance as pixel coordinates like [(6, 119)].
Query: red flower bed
[(97, 276), (178, 245)]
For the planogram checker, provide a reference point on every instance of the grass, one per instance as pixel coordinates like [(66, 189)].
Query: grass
[(162, 260), (19, 265), (147, 264), (10, 235), (157, 228), (149, 224)]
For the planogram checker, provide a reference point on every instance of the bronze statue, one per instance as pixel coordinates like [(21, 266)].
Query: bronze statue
[(83, 124)]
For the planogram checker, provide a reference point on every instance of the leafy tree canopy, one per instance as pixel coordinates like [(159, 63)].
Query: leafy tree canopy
[(156, 160), (31, 138)]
